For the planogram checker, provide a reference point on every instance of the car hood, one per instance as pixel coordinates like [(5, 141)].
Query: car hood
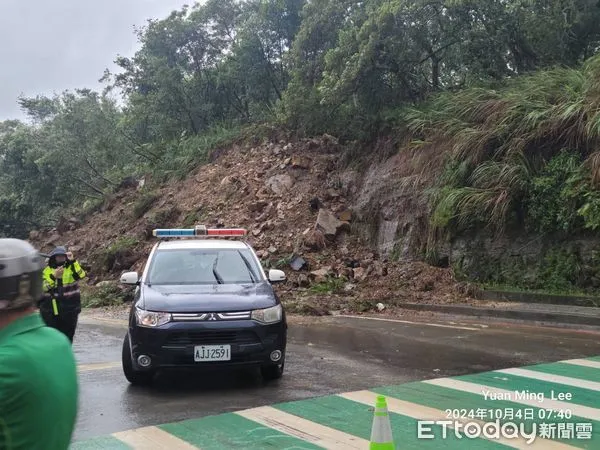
[(207, 298)]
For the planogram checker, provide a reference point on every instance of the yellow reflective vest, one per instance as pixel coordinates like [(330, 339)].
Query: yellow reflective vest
[(64, 291)]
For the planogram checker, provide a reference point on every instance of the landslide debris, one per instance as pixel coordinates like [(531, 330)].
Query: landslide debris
[(296, 203)]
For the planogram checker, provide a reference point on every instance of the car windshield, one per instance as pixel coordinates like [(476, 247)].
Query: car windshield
[(203, 266)]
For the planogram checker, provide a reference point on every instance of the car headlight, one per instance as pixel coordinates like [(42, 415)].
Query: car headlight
[(151, 319), (268, 315)]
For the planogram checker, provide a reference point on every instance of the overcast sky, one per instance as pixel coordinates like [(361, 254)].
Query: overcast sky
[(47, 46)]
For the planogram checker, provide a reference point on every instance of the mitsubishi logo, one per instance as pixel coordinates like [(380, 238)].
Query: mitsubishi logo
[(212, 316)]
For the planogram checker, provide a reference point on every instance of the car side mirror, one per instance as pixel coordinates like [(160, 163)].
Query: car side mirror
[(276, 276), (130, 278)]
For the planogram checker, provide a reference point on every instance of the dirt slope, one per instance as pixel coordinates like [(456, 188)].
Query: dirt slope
[(294, 202)]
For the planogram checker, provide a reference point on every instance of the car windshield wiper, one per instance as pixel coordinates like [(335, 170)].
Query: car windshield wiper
[(248, 266), (215, 273)]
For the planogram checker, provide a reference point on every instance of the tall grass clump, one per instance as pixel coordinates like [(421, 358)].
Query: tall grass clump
[(498, 140)]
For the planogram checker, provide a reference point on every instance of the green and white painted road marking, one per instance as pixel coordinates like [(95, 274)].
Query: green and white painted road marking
[(562, 400), (593, 363)]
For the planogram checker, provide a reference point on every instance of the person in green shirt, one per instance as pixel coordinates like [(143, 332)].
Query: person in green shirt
[(38, 375)]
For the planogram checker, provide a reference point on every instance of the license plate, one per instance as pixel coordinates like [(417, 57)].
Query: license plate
[(212, 353)]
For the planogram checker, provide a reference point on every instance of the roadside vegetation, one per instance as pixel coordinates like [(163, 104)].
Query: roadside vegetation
[(507, 92), (104, 295), (520, 157), (524, 154)]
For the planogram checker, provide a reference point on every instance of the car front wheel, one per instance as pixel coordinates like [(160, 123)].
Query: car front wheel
[(272, 371), (135, 377)]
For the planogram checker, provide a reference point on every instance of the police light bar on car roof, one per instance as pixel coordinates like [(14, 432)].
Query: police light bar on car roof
[(198, 230)]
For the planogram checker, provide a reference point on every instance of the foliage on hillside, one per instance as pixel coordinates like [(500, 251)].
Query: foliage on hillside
[(520, 155), (345, 67)]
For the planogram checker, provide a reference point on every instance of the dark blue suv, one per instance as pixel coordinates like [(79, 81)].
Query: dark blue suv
[(204, 303)]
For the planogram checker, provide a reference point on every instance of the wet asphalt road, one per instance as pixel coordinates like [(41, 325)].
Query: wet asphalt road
[(325, 356)]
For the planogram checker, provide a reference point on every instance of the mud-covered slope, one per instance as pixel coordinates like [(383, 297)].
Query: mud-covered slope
[(295, 202)]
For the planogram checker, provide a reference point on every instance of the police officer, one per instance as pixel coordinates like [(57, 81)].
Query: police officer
[(61, 304), (38, 375)]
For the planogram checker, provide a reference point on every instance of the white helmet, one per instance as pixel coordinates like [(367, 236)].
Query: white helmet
[(21, 268)]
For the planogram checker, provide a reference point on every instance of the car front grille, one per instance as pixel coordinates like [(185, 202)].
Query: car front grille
[(211, 337)]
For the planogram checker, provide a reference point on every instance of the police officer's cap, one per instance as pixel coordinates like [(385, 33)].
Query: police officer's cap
[(21, 269)]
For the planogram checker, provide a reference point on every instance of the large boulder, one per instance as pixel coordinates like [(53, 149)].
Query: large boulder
[(280, 184), (329, 224)]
